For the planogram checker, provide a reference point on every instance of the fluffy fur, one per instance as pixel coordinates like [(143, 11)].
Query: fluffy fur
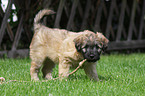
[(58, 46)]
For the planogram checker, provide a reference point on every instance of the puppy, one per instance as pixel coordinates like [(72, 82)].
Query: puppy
[(65, 48)]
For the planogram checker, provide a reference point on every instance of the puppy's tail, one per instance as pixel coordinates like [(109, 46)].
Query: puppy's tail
[(39, 16)]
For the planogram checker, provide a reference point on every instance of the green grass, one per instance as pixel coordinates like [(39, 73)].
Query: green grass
[(121, 75)]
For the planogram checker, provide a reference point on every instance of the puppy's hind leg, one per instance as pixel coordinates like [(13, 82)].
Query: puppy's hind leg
[(48, 65), (34, 70)]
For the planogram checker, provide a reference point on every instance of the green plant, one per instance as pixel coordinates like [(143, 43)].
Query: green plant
[(120, 75)]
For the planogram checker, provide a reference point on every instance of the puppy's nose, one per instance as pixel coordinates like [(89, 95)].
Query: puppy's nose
[(91, 56)]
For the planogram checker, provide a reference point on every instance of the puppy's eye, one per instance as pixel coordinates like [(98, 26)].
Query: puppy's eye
[(98, 46), (84, 50), (99, 50), (86, 46)]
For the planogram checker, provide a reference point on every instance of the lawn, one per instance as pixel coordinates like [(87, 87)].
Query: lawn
[(121, 75)]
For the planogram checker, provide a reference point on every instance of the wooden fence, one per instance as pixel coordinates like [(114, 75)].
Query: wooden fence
[(121, 21)]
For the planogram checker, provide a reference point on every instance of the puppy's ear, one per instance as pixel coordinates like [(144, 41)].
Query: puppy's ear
[(78, 43), (78, 47), (103, 40), (105, 44), (104, 48)]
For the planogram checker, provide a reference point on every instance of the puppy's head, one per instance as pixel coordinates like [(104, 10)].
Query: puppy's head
[(91, 45)]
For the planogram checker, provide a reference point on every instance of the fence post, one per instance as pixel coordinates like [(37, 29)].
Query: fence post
[(4, 21)]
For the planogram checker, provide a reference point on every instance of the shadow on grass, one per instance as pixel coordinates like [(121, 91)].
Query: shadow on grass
[(84, 77), (108, 78)]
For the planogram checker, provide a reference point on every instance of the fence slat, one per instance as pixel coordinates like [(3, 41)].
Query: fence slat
[(80, 9), (9, 30), (4, 21), (1, 12), (124, 33), (73, 11), (87, 9), (105, 9), (130, 32), (98, 17), (18, 33), (135, 30), (28, 33), (59, 13), (121, 20), (142, 21), (109, 21), (67, 11)]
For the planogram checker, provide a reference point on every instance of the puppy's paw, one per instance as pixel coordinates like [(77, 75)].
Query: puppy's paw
[(48, 77), (34, 79)]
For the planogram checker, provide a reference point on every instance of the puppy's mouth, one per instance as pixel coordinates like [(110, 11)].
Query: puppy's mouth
[(92, 58)]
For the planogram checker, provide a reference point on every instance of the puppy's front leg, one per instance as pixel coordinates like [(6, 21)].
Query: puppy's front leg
[(90, 70), (63, 68)]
